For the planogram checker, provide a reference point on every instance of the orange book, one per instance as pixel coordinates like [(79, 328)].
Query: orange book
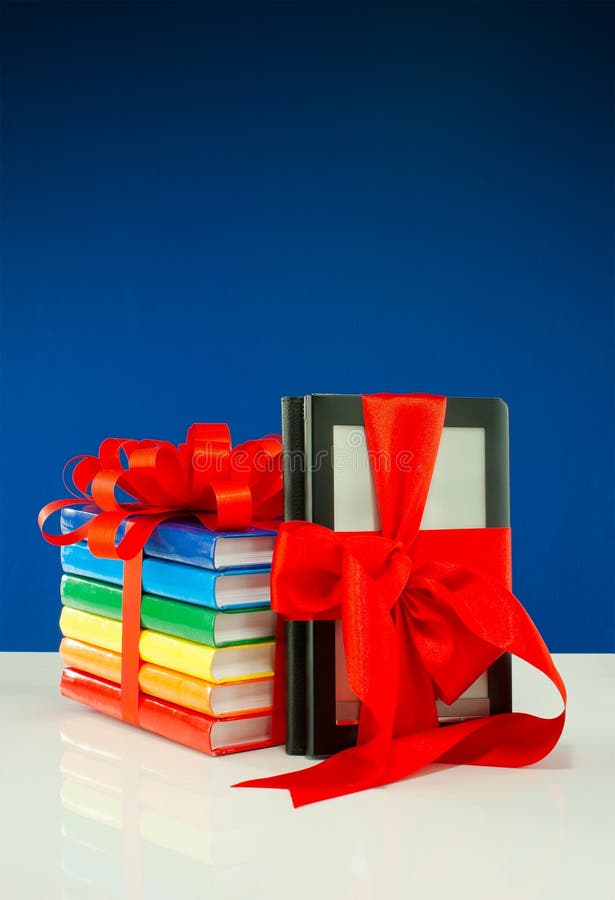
[(217, 700)]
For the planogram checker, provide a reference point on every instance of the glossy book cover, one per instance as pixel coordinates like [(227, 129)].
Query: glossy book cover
[(215, 664), (204, 733), (188, 541), (185, 620), (247, 587)]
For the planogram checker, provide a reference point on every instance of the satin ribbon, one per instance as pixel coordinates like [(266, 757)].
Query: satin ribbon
[(423, 613), (205, 478)]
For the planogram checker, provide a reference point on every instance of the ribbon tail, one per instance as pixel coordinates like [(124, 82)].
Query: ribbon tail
[(345, 773), (510, 739)]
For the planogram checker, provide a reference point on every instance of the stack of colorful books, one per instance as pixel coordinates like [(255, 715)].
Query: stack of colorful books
[(207, 642)]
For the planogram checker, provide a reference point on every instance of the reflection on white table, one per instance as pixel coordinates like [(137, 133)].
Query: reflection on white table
[(97, 809)]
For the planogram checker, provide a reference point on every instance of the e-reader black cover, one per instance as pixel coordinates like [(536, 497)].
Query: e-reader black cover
[(293, 439)]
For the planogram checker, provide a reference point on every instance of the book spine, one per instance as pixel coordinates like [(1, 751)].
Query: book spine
[(293, 438)]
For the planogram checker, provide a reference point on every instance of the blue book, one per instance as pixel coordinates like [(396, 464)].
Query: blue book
[(187, 541), (248, 587)]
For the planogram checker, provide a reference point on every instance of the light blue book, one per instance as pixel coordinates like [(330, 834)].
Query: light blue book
[(248, 587), (187, 541)]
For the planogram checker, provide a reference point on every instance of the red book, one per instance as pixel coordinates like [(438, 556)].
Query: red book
[(185, 726)]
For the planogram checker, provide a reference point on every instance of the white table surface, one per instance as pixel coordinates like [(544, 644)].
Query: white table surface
[(87, 803)]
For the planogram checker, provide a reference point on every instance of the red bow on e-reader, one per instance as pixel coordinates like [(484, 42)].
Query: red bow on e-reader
[(423, 613)]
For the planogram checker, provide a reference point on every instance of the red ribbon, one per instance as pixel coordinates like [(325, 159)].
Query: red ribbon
[(224, 488), (423, 613)]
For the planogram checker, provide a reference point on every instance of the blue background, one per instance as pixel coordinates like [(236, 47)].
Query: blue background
[(205, 207)]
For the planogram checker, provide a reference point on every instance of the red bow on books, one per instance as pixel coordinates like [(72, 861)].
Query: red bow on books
[(423, 614), (206, 478)]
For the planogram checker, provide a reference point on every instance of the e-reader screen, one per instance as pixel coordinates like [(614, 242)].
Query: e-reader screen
[(456, 499)]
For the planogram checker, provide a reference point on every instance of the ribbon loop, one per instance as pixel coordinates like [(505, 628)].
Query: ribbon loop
[(233, 504)]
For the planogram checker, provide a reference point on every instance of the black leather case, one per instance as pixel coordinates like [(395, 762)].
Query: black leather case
[(293, 438)]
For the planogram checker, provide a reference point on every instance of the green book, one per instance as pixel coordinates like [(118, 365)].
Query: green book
[(186, 620)]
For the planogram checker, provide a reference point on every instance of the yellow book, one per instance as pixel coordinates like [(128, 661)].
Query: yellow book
[(221, 665), (97, 630), (218, 664)]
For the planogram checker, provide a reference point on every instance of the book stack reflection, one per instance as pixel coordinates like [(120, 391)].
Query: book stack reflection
[(147, 825)]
